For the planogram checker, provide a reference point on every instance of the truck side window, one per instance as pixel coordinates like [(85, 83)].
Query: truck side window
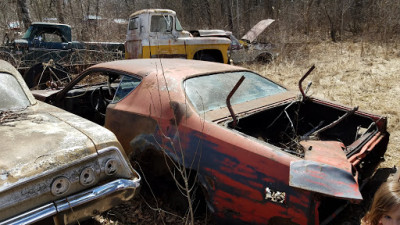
[(178, 26), (133, 23), (51, 37)]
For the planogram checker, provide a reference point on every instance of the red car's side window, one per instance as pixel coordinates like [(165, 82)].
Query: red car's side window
[(126, 86)]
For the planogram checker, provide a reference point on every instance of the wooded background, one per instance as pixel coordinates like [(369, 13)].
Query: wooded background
[(296, 20)]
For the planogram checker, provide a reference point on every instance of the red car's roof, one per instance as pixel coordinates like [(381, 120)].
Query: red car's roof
[(179, 68)]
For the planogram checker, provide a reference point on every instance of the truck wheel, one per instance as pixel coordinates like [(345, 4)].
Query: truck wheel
[(209, 58), (43, 75)]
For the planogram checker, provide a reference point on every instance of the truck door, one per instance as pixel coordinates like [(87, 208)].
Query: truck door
[(48, 43), (49, 39), (165, 42), (133, 44)]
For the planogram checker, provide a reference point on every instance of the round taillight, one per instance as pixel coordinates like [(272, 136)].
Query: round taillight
[(60, 186), (111, 167), (87, 176)]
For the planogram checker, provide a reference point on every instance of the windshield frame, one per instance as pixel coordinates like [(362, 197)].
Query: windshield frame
[(28, 33)]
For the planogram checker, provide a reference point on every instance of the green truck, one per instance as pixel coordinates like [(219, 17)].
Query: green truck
[(47, 49)]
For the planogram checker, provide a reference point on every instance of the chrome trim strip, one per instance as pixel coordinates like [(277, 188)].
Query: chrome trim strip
[(81, 198), (32, 216), (95, 193)]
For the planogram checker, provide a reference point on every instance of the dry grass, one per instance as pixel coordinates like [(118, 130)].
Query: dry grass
[(363, 74)]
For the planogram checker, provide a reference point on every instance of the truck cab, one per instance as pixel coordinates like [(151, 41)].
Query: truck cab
[(47, 36), (157, 33), (51, 36)]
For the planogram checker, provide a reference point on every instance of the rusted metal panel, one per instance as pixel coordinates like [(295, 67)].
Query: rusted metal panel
[(178, 68), (324, 179), (253, 33), (327, 152), (43, 139)]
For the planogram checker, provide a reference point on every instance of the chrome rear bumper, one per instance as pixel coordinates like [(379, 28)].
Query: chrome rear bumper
[(81, 205)]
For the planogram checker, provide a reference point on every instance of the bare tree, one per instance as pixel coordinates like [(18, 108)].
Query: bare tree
[(24, 14), (306, 15), (227, 9), (60, 11)]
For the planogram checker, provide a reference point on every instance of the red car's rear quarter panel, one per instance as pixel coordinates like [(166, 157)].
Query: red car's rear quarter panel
[(242, 168)]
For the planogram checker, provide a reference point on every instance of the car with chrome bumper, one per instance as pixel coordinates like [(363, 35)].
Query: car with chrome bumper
[(56, 166), (260, 153)]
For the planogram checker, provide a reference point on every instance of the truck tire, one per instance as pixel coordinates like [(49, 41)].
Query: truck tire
[(209, 58), (38, 75), (209, 55)]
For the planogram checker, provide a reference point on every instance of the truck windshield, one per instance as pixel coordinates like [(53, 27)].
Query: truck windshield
[(28, 33), (12, 95), (209, 92), (161, 23)]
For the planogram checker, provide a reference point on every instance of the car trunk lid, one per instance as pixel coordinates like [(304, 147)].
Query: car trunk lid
[(34, 142)]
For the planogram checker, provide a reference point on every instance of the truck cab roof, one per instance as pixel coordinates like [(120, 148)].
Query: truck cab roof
[(153, 11), (51, 24), (36, 28)]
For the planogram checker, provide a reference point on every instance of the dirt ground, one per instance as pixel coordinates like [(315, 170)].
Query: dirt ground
[(355, 74)]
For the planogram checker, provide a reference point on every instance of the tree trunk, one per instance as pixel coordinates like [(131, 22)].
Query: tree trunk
[(307, 20), (97, 19), (237, 17), (24, 13), (208, 13), (227, 6), (60, 12)]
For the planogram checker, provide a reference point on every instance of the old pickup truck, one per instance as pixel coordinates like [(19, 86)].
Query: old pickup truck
[(47, 49), (157, 33)]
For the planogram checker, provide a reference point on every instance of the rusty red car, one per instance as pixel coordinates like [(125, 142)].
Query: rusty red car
[(262, 154)]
